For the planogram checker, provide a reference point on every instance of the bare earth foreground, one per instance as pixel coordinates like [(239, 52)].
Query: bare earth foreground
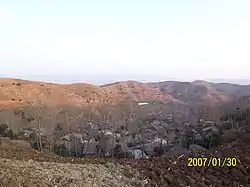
[(22, 166), (45, 174)]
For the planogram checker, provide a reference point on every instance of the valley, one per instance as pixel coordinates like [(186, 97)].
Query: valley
[(128, 126)]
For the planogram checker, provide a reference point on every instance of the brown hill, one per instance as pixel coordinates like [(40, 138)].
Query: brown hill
[(195, 93), (15, 93), (201, 94), (137, 91), (207, 100)]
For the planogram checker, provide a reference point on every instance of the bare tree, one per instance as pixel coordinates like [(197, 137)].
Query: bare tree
[(73, 118), (92, 124), (37, 109), (53, 125), (141, 113)]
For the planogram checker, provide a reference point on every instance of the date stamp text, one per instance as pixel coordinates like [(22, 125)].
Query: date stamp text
[(212, 161)]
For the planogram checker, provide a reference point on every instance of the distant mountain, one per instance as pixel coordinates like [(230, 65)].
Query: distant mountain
[(97, 79), (100, 79), (231, 81), (205, 98), (198, 95)]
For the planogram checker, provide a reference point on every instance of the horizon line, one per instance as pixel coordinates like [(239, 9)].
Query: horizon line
[(212, 80)]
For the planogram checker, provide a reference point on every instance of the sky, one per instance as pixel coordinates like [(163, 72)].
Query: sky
[(125, 39)]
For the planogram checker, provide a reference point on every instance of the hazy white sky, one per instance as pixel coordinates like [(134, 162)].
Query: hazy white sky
[(169, 38)]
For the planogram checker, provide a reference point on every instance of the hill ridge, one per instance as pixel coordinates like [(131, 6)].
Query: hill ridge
[(19, 92)]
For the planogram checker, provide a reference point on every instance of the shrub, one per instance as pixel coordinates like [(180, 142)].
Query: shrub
[(3, 128), (61, 150), (36, 145)]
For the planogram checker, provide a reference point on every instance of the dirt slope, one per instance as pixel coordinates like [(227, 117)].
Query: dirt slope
[(15, 173), (22, 166), (137, 91), (197, 93), (15, 93), (175, 172)]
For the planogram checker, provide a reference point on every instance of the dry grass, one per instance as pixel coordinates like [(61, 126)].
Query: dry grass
[(80, 97), (16, 93)]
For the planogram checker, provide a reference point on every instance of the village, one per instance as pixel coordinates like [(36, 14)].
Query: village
[(153, 138), (150, 135)]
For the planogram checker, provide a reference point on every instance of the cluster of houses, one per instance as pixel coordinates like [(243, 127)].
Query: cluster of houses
[(107, 143), (156, 137)]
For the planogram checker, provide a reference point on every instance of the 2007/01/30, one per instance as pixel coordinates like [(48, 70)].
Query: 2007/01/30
[(215, 162)]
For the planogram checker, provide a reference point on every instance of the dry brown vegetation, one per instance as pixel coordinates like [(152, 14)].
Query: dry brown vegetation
[(184, 99), (203, 93), (15, 93)]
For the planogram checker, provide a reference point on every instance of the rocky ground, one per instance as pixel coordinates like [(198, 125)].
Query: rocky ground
[(16, 173), (25, 167), (22, 166)]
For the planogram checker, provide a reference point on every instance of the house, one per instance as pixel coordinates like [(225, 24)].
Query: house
[(176, 151), (136, 154), (107, 142), (213, 129), (90, 147), (133, 139), (93, 130), (122, 142), (28, 133), (73, 143), (151, 147)]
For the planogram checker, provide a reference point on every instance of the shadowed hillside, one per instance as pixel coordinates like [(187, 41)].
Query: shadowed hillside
[(199, 97)]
